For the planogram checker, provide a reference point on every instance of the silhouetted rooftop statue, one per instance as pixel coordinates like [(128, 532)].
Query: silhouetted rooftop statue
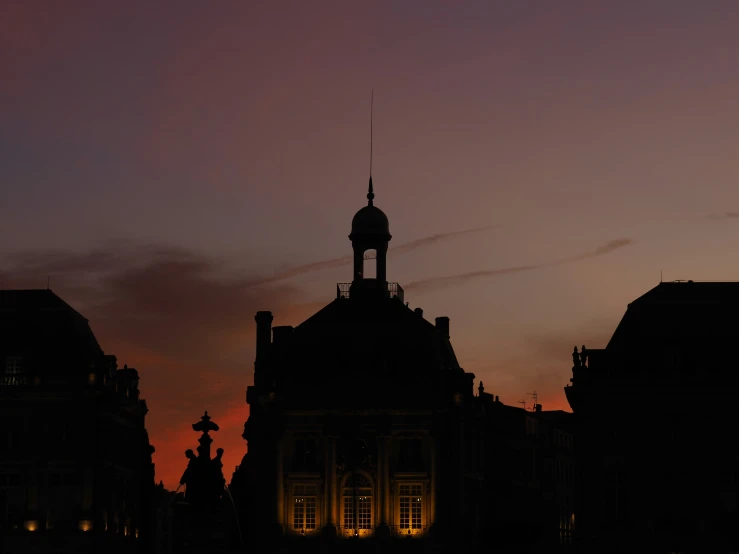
[(205, 424), (204, 476), (575, 358)]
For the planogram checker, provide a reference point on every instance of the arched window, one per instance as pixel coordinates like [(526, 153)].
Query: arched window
[(357, 503), (369, 265)]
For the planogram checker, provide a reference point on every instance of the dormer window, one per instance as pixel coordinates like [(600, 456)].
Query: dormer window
[(14, 373)]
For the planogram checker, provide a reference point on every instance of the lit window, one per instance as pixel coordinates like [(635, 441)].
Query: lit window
[(411, 504), (358, 508), (364, 506), (13, 374), (304, 507), (358, 503), (348, 511), (85, 525), (31, 525)]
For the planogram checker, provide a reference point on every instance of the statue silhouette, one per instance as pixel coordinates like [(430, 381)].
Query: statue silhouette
[(189, 477), (575, 358), (204, 476)]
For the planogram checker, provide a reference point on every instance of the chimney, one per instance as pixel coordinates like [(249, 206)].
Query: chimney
[(538, 408), (281, 334), (264, 333), (418, 312), (442, 324), (497, 399)]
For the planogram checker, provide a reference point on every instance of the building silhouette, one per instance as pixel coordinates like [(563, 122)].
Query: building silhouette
[(364, 430), (75, 459), (525, 470), (656, 423)]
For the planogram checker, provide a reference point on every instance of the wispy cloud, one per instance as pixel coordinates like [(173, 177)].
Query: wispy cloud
[(347, 260), (725, 215), (454, 280), (433, 239)]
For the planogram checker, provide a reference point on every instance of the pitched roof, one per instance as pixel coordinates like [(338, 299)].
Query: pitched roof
[(364, 343), (40, 326), (680, 313)]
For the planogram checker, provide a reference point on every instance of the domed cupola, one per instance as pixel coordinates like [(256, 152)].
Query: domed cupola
[(370, 221), (370, 231)]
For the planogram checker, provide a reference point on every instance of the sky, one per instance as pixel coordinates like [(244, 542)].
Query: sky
[(174, 167)]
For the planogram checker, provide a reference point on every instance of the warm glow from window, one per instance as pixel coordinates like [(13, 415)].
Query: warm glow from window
[(31, 525), (125, 530), (91, 378), (348, 532), (304, 508), (85, 525), (358, 509), (411, 508), (136, 533)]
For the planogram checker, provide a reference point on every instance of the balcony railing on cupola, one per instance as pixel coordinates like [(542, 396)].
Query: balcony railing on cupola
[(394, 290)]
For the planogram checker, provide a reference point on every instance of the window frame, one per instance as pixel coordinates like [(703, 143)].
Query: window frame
[(357, 504), (305, 501), (14, 372), (413, 520)]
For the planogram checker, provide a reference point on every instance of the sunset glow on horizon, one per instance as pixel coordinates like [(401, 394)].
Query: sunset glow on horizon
[(171, 170)]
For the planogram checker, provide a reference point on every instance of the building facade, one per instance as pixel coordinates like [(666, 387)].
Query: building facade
[(75, 459), (364, 429), (656, 424), (525, 472), (356, 425)]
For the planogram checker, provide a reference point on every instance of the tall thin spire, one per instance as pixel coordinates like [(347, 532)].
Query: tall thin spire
[(371, 194)]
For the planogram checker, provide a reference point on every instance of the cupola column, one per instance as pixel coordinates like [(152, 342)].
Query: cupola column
[(358, 264), (382, 263)]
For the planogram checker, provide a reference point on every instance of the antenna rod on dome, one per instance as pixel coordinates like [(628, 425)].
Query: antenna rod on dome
[(371, 193), (372, 109)]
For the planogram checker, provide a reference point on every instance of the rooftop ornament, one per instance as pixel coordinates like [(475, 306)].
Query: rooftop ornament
[(204, 475)]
